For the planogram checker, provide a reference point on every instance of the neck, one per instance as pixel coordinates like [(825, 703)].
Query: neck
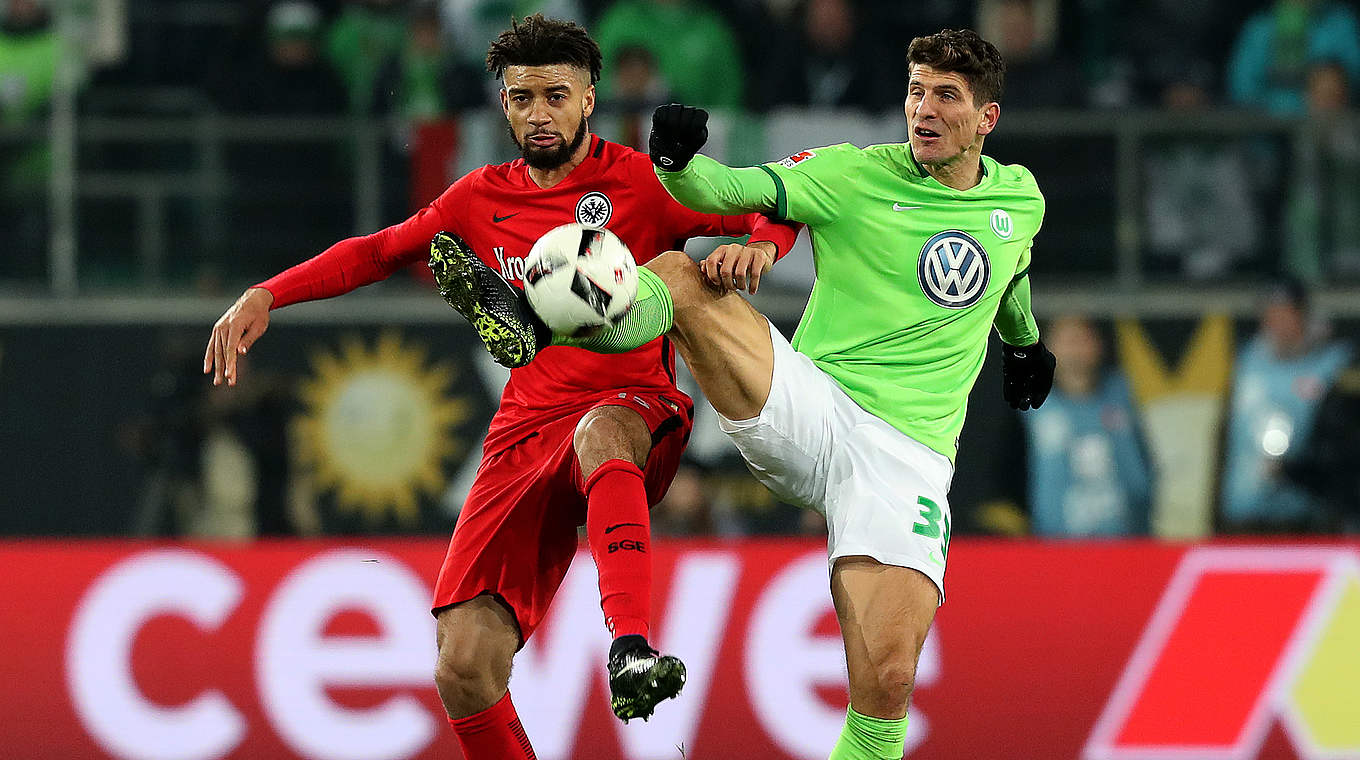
[(546, 178), (960, 173)]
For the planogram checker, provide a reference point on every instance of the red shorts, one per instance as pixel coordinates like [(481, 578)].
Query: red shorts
[(516, 535)]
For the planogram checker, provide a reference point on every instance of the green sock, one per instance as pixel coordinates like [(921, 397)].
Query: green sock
[(650, 318), (866, 738)]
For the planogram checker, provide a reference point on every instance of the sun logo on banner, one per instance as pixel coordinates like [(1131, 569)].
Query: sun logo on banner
[(379, 425)]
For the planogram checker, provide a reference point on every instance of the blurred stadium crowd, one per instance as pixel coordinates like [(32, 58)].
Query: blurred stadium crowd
[(1248, 167), (424, 57), (1244, 168)]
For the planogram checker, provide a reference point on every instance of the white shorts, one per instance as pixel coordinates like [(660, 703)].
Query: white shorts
[(884, 494)]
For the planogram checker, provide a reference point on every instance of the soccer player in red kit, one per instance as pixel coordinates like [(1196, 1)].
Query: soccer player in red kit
[(579, 438)]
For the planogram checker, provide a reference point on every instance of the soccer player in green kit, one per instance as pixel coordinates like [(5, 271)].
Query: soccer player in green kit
[(921, 249)]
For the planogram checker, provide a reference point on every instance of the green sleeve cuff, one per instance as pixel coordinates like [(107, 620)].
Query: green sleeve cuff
[(781, 195)]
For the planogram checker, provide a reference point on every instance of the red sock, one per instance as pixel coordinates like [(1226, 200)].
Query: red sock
[(493, 734), (619, 529)]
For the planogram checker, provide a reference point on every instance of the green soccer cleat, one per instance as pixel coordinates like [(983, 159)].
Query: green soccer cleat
[(640, 677), (496, 309)]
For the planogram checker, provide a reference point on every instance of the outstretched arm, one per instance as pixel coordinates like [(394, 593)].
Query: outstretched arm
[(699, 182), (706, 185), (347, 265), (358, 261)]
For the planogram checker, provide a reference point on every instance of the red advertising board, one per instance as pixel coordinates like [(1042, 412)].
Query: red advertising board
[(1106, 651)]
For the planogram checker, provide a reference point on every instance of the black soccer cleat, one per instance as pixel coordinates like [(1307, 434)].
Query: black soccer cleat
[(497, 310), (640, 677)]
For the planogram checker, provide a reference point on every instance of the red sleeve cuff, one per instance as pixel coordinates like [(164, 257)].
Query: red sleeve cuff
[(273, 291), (781, 234)]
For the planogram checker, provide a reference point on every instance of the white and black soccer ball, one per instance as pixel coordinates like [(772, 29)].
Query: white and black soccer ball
[(579, 277)]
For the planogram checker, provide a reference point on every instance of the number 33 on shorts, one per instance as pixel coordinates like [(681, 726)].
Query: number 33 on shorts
[(933, 523)]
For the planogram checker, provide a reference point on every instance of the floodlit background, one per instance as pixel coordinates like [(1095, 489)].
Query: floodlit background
[(1161, 559)]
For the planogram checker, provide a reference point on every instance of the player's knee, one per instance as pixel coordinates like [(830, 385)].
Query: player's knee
[(897, 678), (891, 678), (468, 676), (472, 669), (887, 691), (673, 264), (682, 277), (894, 681), (606, 434), (596, 431)]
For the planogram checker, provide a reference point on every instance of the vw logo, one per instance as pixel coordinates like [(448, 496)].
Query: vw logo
[(953, 269), (1002, 224), (594, 209)]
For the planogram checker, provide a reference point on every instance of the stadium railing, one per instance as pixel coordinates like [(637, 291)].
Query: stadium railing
[(162, 200)]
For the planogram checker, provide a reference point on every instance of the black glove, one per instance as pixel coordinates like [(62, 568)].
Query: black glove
[(678, 132), (1026, 374)]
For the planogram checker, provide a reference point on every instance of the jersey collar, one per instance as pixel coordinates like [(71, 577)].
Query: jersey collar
[(920, 172)]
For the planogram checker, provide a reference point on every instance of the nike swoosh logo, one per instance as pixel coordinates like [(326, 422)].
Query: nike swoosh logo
[(499, 219), (898, 207), (613, 528)]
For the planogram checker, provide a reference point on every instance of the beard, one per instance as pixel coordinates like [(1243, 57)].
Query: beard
[(547, 159)]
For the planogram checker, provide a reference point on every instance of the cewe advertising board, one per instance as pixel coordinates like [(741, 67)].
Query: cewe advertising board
[(1104, 651)]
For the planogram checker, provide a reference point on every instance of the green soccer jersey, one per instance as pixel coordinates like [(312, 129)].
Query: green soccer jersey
[(910, 273)]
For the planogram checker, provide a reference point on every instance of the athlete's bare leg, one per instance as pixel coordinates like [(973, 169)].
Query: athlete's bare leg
[(724, 341), (477, 640), (884, 613)]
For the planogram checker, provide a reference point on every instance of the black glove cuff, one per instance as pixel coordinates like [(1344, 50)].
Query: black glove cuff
[(668, 156), (1023, 353)]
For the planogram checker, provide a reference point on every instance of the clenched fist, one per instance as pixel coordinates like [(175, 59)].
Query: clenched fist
[(678, 132), (1026, 374)]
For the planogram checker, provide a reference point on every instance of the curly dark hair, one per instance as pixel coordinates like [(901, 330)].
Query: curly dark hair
[(539, 41), (962, 52)]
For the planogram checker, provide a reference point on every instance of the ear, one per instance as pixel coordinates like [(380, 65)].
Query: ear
[(505, 101), (991, 114), (588, 102)]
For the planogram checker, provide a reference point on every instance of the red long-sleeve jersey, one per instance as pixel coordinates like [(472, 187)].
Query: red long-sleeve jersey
[(500, 212)]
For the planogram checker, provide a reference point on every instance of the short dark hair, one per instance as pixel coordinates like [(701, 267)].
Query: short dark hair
[(962, 52), (538, 41)]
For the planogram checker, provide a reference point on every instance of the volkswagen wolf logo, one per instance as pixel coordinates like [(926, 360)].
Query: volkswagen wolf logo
[(953, 269)]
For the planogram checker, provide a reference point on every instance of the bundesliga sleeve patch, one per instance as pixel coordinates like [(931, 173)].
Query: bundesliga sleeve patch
[(796, 159)]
